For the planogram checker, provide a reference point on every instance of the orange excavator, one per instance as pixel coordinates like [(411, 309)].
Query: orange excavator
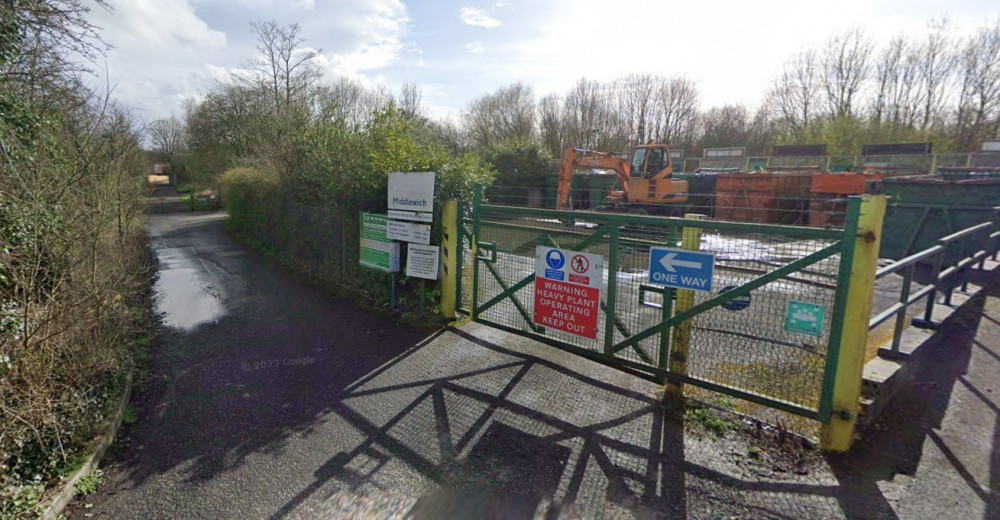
[(646, 183)]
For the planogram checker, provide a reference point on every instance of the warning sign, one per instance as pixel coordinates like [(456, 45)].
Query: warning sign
[(568, 290)]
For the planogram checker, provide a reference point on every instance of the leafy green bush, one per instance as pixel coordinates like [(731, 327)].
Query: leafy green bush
[(520, 165), (253, 200), (345, 171)]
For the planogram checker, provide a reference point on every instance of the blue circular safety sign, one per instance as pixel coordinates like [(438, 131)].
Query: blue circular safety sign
[(738, 303), (555, 259)]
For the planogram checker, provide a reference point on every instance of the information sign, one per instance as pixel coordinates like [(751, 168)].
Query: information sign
[(377, 250), (422, 261), (805, 318)]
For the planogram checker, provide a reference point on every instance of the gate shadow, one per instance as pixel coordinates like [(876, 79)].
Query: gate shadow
[(519, 436), (895, 444)]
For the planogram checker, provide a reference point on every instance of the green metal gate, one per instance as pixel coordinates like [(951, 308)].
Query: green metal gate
[(748, 352)]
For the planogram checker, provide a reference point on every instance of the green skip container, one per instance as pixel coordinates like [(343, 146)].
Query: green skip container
[(923, 209)]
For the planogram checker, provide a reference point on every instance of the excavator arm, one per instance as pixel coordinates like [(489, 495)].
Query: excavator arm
[(577, 158)]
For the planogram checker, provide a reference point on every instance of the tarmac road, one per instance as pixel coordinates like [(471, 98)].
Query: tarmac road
[(269, 399), (236, 416)]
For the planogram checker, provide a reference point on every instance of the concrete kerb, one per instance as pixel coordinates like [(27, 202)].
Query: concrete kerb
[(62, 498), (884, 377)]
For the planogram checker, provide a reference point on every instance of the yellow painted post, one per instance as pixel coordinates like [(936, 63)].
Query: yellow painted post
[(681, 336), (838, 433), (449, 254)]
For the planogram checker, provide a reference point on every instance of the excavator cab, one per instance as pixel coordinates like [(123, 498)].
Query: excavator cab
[(650, 181), (648, 161)]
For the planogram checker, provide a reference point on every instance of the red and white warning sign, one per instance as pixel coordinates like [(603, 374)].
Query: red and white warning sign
[(568, 290)]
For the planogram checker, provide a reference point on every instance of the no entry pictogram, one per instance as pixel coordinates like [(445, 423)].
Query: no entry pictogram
[(580, 264)]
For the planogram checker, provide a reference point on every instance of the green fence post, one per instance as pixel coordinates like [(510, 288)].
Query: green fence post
[(666, 312), (849, 330), (611, 308), (681, 335), (477, 201)]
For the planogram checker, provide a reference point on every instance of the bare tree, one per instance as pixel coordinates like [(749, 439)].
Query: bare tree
[(411, 101), (508, 113), (678, 105), (637, 96), (846, 66), (283, 66), (168, 136), (590, 118), (550, 124), (350, 102), (726, 126), (794, 98), (978, 114), (936, 62)]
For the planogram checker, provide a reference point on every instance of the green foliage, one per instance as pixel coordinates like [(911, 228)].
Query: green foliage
[(20, 500), (846, 135), (129, 415), (252, 198), (707, 419), (88, 485), (520, 164), (10, 36), (346, 167)]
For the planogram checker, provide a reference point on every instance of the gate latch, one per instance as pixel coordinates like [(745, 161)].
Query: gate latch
[(491, 247)]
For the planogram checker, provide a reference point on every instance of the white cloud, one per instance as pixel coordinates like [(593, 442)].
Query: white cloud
[(157, 24), (734, 61), (167, 51), (478, 18), (475, 47), (158, 50), (378, 29)]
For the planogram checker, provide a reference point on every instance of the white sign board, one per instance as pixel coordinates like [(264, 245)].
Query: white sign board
[(991, 146), (408, 232), (422, 261), (411, 215), (723, 152), (411, 193)]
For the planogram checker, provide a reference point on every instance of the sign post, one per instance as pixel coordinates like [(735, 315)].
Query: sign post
[(422, 262), (568, 290), (410, 197)]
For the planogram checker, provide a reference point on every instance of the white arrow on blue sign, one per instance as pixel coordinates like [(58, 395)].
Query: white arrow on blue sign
[(681, 269)]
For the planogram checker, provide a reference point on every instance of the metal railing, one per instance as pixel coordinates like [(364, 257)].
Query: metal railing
[(943, 279)]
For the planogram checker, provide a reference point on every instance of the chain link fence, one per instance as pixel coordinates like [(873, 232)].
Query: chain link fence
[(746, 346)]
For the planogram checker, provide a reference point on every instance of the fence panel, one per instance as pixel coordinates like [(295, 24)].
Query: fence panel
[(740, 343)]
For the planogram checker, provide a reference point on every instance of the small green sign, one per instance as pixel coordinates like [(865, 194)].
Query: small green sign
[(377, 250), (805, 318)]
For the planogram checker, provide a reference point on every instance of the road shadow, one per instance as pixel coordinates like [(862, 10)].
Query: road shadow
[(523, 437), (476, 427), (894, 445), (266, 369)]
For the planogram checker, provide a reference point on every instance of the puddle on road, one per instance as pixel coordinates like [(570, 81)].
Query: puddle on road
[(186, 295)]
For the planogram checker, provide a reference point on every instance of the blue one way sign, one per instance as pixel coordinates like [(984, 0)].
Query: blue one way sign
[(681, 269)]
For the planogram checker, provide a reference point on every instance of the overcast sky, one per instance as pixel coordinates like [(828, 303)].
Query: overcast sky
[(165, 51)]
